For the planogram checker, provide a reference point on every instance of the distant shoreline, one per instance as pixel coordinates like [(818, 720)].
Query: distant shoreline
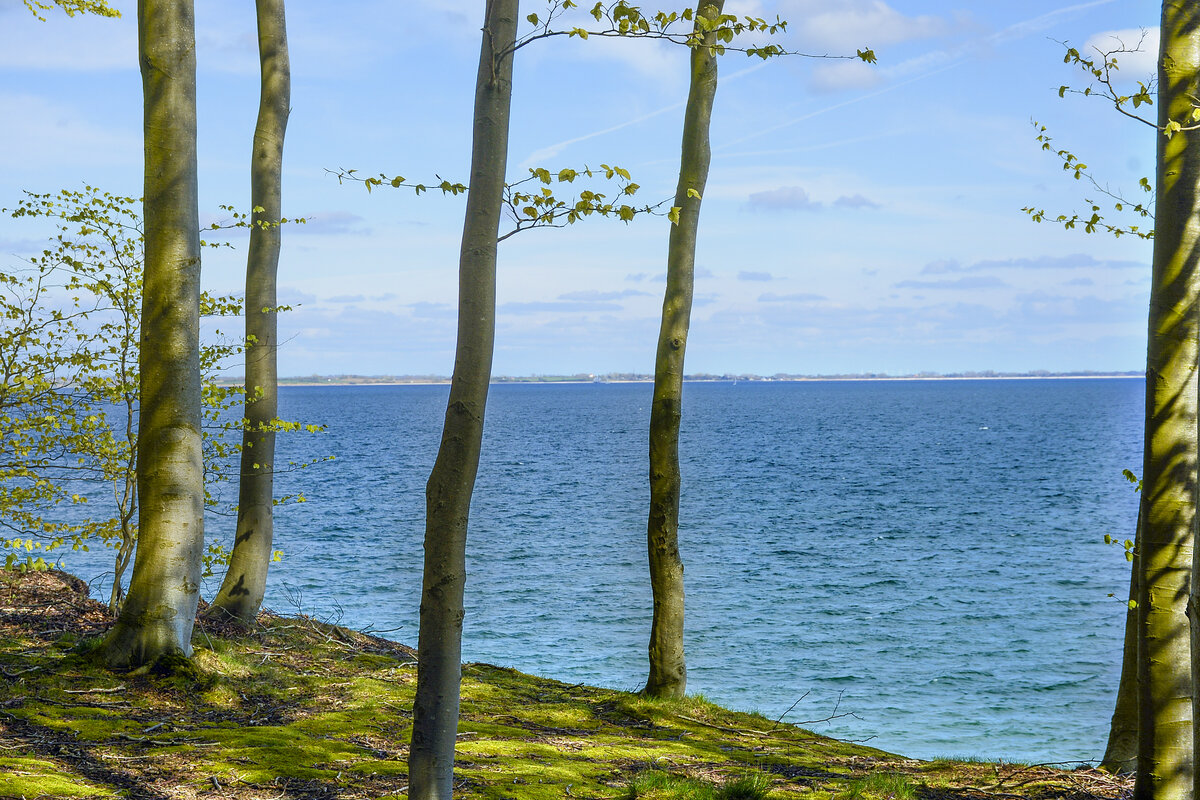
[(390, 380)]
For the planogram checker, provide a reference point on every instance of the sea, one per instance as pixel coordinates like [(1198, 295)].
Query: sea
[(917, 565)]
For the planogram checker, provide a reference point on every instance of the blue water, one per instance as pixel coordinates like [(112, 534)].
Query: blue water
[(927, 556)]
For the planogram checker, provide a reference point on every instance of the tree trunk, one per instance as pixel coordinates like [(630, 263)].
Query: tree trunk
[(448, 492), (1169, 472), (245, 581), (668, 671), (1120, 756), (160, 609)]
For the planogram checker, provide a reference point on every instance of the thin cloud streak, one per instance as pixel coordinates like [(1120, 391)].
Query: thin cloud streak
[(835, 106), (952, 58), (553, 150)]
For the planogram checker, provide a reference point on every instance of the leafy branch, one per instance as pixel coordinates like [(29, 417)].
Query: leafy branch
[(1103, 69), (72, 7), (70, 326), (540, 207), (620, 19), (1071, 163), (397, 182)]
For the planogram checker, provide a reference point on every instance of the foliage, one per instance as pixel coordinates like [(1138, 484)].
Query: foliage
[(69, 335), (540, 207), (1094, 220), (100, 8), (620, 19), (1101, 73)]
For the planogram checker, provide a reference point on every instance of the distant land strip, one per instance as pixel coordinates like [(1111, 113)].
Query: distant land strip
[(633, 377)]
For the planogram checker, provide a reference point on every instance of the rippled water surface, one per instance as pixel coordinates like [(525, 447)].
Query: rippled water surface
[(928, 554)]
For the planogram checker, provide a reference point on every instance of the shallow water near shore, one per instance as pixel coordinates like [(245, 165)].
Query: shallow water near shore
[(924, 556)]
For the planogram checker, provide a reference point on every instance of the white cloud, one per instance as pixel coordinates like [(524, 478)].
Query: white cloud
[(855, 201), (799, 297), (1134, 66), (593, 295), (657, 60), (842, 76), (968, 282), (38, 131), (790, 198), (1073, 261), (850, 24), (82, 44)]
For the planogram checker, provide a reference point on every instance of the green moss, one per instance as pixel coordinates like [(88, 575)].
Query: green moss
[(36, 777), (294, 707), (262, 754)]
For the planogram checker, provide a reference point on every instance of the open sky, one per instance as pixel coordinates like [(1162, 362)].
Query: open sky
[(857, 219)]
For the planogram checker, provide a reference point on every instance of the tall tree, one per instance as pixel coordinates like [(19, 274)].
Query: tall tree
[(1169, 480), (668, 671), (245, 581), (448, 492), (158, 613)]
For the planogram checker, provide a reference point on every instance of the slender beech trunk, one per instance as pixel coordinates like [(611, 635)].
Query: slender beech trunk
[(245, 581), (1169, 483), (1120, 756), (448, 492), (158, 613), (668, 671)]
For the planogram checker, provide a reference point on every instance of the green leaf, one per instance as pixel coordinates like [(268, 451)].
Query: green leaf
[(693, 193), (673, 214)]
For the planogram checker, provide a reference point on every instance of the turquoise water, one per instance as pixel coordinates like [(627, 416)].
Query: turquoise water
[(926, 557)]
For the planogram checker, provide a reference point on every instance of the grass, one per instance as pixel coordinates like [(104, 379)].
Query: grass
[(881, 786), (300, 709)]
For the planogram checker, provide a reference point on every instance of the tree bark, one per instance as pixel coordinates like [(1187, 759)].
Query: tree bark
[(1169, 483), (1120, 756), (245, 581), (158, 613), (668, 670), (448, 492)]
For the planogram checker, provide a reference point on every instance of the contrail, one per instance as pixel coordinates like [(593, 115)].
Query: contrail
[(553, 150), (1014, 31), (835, 106), (955, 56)]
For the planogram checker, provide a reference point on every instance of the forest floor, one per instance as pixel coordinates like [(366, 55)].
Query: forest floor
[(297, 708)]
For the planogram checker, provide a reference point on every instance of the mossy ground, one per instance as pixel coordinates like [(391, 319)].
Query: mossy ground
[(300, 709)]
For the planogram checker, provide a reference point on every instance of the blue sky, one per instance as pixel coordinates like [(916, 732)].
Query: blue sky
[(857, 219)]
